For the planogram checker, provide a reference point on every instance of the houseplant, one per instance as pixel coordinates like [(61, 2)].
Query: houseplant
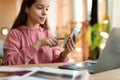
[(94, 38)]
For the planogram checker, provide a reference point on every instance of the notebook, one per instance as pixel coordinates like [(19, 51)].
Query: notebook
[(87, 65)]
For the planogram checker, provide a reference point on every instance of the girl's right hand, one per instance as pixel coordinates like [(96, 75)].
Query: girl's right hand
[(50, 41)]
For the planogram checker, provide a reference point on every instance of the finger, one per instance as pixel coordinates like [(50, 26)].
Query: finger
[(53, 41), (49, 42), (72, 43), (68, 48)]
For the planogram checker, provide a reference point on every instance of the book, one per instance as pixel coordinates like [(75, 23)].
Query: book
[(60, 74), (17, 73), (44, 73)]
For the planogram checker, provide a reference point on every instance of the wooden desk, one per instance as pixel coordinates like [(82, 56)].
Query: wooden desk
[(53, 65), (107, 75)]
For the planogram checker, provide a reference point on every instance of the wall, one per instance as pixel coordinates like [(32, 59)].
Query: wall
[(7, 14), (114, 12), (64, 16), (52, 16)]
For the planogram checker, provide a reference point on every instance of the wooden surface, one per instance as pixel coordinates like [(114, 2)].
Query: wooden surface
[(53, 65), (107, 75)]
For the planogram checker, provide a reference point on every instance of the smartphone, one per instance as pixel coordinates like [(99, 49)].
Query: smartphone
[(74, 31)]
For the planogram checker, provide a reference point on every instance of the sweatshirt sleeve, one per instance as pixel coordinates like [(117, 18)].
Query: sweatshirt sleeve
[(13, 53), (56, 55)]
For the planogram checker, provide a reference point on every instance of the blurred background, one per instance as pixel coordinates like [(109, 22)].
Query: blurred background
[(95, 19)]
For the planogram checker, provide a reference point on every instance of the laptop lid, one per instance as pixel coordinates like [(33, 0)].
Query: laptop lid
[(110, 56)]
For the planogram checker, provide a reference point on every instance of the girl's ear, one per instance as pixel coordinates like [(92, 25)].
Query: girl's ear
[(27, 10)]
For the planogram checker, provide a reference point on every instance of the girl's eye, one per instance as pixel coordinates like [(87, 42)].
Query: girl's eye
[(39, 7), (46, 9)]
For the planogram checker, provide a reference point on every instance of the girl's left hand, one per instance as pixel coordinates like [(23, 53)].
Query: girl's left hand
[(69, 46)]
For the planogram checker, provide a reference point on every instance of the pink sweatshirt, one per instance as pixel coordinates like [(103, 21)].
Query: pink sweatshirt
[(18, 48)]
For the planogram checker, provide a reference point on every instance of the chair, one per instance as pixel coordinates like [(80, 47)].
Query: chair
[(110, 56), (1, 51)]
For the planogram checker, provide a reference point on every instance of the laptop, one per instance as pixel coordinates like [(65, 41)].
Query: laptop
[(87, 65)]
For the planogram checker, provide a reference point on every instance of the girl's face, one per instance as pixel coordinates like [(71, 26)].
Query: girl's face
[(38, 12)]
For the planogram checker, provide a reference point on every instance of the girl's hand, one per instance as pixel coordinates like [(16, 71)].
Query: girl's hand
[(70, 46), (50, 41)]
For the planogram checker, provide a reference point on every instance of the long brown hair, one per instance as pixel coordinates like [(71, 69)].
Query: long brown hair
[(22, 16)]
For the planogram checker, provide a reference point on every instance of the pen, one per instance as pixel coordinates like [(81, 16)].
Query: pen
[(60, 38)]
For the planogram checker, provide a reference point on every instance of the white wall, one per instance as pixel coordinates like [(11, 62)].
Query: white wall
[(52, 16), (114, 12)]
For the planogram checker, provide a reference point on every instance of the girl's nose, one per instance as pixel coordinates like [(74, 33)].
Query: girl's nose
[(44, 12)]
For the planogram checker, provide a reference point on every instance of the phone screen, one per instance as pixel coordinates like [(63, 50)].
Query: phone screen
[(74, 31)]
